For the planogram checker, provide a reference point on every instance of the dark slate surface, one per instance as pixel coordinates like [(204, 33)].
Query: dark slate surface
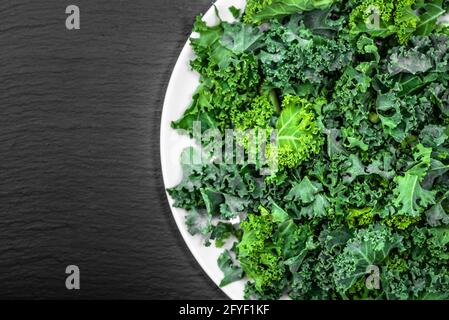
[(80, 179)]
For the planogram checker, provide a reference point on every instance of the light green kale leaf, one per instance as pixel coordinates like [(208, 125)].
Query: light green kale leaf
[(411, 198), (298, 132), (259, 257)]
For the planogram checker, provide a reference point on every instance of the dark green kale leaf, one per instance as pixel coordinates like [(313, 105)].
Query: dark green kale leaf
[(231, 272), (369, 247)]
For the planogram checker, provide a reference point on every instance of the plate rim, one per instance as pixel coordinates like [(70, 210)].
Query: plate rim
[(233, 291)]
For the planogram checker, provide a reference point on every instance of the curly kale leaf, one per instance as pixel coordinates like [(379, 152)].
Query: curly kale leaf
[(369, 247), (423, 54), (429, 17), (298, 62), (433, 136), (437, 216), (404, 18), (270, 250), (230, 271), (258, 11), (357, 122), (215, 190), (229, 76), (401, 117), (240, 38), (298, 132), (307, 199), (411, 198), (259, 257)]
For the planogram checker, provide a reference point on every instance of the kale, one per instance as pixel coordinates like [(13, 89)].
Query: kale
[(355, 124), (262, 10)]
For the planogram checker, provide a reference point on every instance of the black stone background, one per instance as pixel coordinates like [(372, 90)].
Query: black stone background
[(80, 178)]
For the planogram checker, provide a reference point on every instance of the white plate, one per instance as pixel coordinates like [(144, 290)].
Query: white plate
[(182, 85)]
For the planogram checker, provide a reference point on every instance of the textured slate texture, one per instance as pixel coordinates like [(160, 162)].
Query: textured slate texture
[(80, 179)]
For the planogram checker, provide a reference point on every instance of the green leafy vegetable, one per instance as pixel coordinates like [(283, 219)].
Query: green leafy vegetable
[(231, 272), (346, 192), (299, 136), (258, 11)]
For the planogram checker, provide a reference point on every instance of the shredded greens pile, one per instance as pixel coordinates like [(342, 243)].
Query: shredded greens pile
[(358, 94)]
